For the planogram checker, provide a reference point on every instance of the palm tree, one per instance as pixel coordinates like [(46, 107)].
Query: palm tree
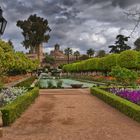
[(90, 52), (76, 54), (68, 52)]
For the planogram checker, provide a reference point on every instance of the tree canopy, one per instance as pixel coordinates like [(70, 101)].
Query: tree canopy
[(120, 44)]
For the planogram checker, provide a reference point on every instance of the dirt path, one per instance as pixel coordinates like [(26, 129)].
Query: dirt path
[(72, 115)]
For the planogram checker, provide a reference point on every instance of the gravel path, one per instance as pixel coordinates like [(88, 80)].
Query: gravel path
[(71, 115)]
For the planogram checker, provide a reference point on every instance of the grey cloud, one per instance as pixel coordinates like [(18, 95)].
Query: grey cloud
[(99, 20)]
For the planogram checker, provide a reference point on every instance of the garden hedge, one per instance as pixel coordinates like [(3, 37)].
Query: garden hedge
[(26, 83), (13, 110), (129, 59), (128, 108)]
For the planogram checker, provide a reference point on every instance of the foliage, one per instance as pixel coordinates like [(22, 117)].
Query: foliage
[(128, 59), (101, 53), (26, 83), (120, 44), (10, 94), (12, 62), (132, 95), (90, 52), (76, 54), (128, 108), (12, 111), (68, 52), (50, 84), (35, 31), (124, 76), (59, 83)]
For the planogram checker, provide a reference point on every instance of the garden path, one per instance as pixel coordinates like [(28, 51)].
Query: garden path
[(69, 114)]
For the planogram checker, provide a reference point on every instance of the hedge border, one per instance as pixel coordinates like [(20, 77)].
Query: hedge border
[(26, 83), (128, 108), (13, 110)]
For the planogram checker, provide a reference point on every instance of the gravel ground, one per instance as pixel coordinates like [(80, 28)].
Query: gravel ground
[(71, 115)]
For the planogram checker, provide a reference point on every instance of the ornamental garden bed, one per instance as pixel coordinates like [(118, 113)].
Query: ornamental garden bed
[(14, 100), (126, 101)]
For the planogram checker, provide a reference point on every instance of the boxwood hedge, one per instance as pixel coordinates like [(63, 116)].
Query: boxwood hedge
[(13, 110), (128, 108)]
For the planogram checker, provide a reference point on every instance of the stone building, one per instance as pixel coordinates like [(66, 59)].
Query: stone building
[(60, 57)]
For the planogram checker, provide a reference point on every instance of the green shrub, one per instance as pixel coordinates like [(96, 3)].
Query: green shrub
[(128, 108), (59, 84), (50, 84), (26, 83), (13, 110), (128, 59), (124, 76)]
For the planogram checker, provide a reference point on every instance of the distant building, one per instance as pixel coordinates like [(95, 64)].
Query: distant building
[(57, 54), (60, 57)]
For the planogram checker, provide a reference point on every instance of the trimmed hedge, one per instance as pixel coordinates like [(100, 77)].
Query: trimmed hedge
[(128, 108), (26, 83), (13, 110), (129, 59)]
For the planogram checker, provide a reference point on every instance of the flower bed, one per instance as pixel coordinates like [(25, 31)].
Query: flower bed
[(132, 95), (13, 110), (128, 108), (10, 94)]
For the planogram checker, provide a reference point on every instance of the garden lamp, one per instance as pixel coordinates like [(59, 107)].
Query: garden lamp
[(3, 22)]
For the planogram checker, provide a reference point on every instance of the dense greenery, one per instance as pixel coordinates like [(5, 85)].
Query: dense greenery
[(120, 44), (128, 59), (26, 83), (14, 62), (128, 108), (90, 52), (124, 75), (13, 110)]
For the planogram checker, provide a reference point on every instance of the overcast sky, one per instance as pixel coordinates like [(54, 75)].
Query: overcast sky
[(79, 24)]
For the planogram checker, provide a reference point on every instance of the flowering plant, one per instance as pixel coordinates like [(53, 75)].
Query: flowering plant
[(132, 95), (10, 94)]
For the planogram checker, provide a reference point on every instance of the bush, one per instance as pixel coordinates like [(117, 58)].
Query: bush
[(13, 110), (26, 83), (128, 108), (124, 76), (128, 59), (50, 84), (59, 84)]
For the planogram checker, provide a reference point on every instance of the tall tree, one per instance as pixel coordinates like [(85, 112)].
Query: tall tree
[(90, 52), (77, 54), (101, 53), (137, 44), (120, 44), (35, 32), (68, 52)]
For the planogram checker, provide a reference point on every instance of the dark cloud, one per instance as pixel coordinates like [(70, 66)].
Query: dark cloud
[(80, 24)]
